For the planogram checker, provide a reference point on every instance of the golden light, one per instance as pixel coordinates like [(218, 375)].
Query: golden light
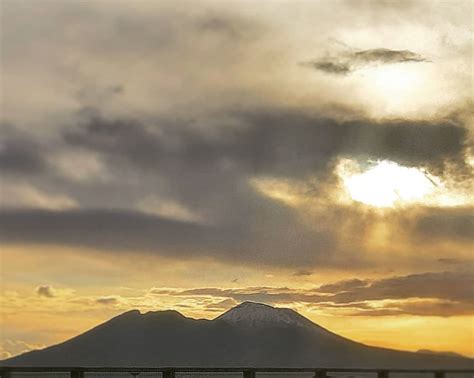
[(395, 79), (396, 88), (386, 184)]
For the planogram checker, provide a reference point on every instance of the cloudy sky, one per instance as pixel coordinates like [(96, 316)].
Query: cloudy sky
[(192, 155)]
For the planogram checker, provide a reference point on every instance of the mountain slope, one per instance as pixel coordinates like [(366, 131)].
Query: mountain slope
[(247, 335)]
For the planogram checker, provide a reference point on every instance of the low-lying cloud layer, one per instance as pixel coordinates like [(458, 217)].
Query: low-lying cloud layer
[(433, 293)]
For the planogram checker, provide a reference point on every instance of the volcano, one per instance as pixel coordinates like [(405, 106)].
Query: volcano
[(250, 334)]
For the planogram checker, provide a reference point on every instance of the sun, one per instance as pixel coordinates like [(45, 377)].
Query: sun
[(386, 184), (395, 88), (394, 79)]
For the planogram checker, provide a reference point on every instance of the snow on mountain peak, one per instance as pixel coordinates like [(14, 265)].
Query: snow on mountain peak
[(257, 314)]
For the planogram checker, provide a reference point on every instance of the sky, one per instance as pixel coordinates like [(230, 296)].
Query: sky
[(316, 155)]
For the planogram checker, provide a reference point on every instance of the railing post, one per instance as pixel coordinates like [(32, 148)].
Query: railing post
[(382, 374), (5, 374), (169, 374), (320, 374), (249, 374), (77, 374), (439, 374)]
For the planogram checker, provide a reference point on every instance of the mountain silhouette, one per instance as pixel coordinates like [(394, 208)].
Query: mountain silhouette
[(250, 334)]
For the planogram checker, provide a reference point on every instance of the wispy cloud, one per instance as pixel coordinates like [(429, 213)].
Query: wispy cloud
[(347, 62)]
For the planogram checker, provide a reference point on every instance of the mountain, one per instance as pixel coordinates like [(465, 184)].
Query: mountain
[(250, 334)]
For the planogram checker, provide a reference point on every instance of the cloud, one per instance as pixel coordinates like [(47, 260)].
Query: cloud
[(221, 305), (269, 142), (449, 285), (9, 348), (17, 195), (425, 294), (336, 68), (106, 147), (448, 224), (343, 286), (168, 209), (46, 291), (19, 153), (451, 261), (347, 62), (124, 231), (230, 27), (387, 56), (302, 272), (108, 300)]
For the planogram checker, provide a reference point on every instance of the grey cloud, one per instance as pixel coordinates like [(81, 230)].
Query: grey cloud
[(109, 300), (133, 232), (272, 142), (421, 308), (182, 158), (347, 62), (303, 272), (46, 291), (222, 305), (452, 286), (19, 153), (331, 67), (263, 294), (229, 26), (455, 224), (343, 286), (107, 229), (387, 56), (452, 261)]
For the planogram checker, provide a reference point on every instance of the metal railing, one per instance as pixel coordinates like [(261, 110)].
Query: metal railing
[(247, 372)]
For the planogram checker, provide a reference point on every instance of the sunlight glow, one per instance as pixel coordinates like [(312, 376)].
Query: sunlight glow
[(387, 184), (396, 88), (395, 79)]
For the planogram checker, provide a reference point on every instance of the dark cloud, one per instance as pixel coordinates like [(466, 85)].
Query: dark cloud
[(221, 306), (451, 261), (19, 153), (347, 62), (46, 291), (270, 142), (452, 286), (455, 224), (112, 229), (302, 272), (343, 286), (110, 300), (421, 308), (336, 68), (127, 231), (387, 56), (228, 26)]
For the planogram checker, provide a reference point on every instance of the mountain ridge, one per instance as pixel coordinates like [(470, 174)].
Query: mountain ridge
[(250, 334)]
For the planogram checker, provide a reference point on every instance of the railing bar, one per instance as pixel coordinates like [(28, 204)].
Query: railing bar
[(438, 373)]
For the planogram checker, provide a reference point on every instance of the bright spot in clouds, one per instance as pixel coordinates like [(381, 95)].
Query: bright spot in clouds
[(386, 184), (397, 88), (395, 80)]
